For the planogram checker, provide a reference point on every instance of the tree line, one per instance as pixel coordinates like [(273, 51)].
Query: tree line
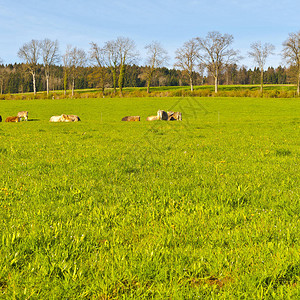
[(199, 61)]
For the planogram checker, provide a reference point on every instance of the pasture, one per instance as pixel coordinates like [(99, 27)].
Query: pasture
[(206, 208)]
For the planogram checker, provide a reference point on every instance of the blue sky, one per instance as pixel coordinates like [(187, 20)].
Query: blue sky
[(171, 22)]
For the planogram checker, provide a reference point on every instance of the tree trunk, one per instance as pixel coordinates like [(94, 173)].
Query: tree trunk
[(47, 83), (216, 84), (33, 81), (261, 80), (150, 78), (102, 80), (114, 79), (121, 79), (73, 86), (148, 83), (65, 82), (103, 88), (191, 83)]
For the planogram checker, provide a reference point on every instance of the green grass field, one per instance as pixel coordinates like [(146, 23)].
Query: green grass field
[(206, 208)]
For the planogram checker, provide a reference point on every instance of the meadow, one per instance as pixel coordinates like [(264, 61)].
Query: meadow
[(245, 90), (206, 208)]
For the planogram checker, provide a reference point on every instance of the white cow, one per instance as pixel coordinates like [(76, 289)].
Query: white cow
[(23, 115), (56, 119), (152, 118)]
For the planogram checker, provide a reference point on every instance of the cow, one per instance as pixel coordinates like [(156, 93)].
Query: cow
[(70, 118), (177, 116), (162, 115), (12, 119), (56, 119), (0, 119), (74, 118), (131, 118), (23, 115), (172, 116), (152, 118)]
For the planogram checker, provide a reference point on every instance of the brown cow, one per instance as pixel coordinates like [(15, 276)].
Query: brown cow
[(23, 114), (132, 118), (152, 118), (12, 119), (70, 118)]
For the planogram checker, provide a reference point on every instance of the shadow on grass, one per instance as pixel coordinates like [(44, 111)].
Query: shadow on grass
[(33, 120)]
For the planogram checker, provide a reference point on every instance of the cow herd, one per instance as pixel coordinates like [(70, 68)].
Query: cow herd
[(161, 115), (23, 115)]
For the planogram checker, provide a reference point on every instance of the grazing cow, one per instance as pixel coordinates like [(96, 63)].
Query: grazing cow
[(12, 119), (56, 119), (162, 115), (174, 116), (23, 115), (132, 118), (0, 119), (152, 118), (70, 118)]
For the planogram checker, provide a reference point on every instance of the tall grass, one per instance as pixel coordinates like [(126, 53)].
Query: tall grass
[(102, 209)]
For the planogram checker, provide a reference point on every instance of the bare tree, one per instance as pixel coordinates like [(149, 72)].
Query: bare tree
[(156, 57), (127, 55), (67, 66), (291, 53), (97, 55), (260, 54), (215, 53), (30, 53), (112, 60), (78, 60), (50, 57), (73, 60), (187, 59)]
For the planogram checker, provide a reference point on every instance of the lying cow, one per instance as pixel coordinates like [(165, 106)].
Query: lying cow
[(152, 118), (70, 118), (56, 119), (12, 119), (23, 115), (132, 118), (174, 116), (162, 115), (64, 118)]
